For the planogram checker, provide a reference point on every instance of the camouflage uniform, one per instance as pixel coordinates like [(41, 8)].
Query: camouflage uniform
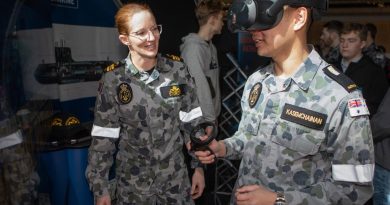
[(145, 115), (298, 136), (18, 179), (376, 55), (334, 56)]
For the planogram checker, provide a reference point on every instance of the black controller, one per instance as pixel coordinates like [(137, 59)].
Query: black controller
[(201, 145)]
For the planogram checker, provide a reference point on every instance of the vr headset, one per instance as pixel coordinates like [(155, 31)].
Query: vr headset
[(246, 15)]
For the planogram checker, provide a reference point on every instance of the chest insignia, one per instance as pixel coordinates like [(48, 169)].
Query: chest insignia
[(173, 91), (254, 94), (303, 116), (125, 94)]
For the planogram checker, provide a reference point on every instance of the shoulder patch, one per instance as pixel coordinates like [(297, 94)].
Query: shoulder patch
[(174, 57), (357, 107), (112, 66), (340, 78)]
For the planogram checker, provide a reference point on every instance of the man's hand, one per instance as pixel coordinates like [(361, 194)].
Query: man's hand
[(208, 131), (208, 157), (255, 195), (104, 200), (197, 183)]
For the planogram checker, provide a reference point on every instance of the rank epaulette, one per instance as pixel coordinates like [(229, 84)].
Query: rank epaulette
[(112, 66), (340, 78), (174, 57)]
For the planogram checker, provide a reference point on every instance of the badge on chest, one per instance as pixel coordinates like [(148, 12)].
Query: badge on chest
[(254, 94), (124, 92), (173, 91)]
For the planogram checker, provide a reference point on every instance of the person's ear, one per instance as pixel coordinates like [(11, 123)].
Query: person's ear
[(212, 19), (364, 43), (300, 18), (124, 39)]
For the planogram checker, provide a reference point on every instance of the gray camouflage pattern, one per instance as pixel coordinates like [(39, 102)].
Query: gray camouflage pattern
[(376, 55), (297, 160), (334, 56), (150, 167), (18, 178)]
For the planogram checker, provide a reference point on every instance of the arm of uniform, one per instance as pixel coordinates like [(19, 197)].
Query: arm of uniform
[(234, 145), (350, 154), (195, 64), (105, 132), (348, 179), (190, 114), (380, 121)]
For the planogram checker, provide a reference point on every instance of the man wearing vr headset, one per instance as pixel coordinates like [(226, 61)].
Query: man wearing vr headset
[(304, 135)]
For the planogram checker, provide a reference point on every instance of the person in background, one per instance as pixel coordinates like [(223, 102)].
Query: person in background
[(19, 179), (381, 132), (369, 77), (145, 110), (200, 54), (321, 48), (330, 37), (304, 135), (376, 54)]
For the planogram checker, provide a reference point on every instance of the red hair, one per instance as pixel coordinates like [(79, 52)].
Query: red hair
[(125, 13)]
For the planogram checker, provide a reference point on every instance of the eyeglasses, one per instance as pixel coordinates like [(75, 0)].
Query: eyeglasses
[(144, 34)]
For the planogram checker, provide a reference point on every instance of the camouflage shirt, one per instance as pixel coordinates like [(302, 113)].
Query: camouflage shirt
[(376, 55), (304, 136), (147, 116), (334, 56)]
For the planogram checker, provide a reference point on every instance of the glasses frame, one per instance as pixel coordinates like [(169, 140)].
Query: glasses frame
[(147, 35)]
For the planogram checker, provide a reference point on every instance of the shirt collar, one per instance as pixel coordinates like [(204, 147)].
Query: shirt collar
[(163, 64), (305, 73), (160, 66), (144, 76), (345, 64)]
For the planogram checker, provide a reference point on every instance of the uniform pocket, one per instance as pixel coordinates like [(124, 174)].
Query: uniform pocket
[(297, 138), (251, 122)]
